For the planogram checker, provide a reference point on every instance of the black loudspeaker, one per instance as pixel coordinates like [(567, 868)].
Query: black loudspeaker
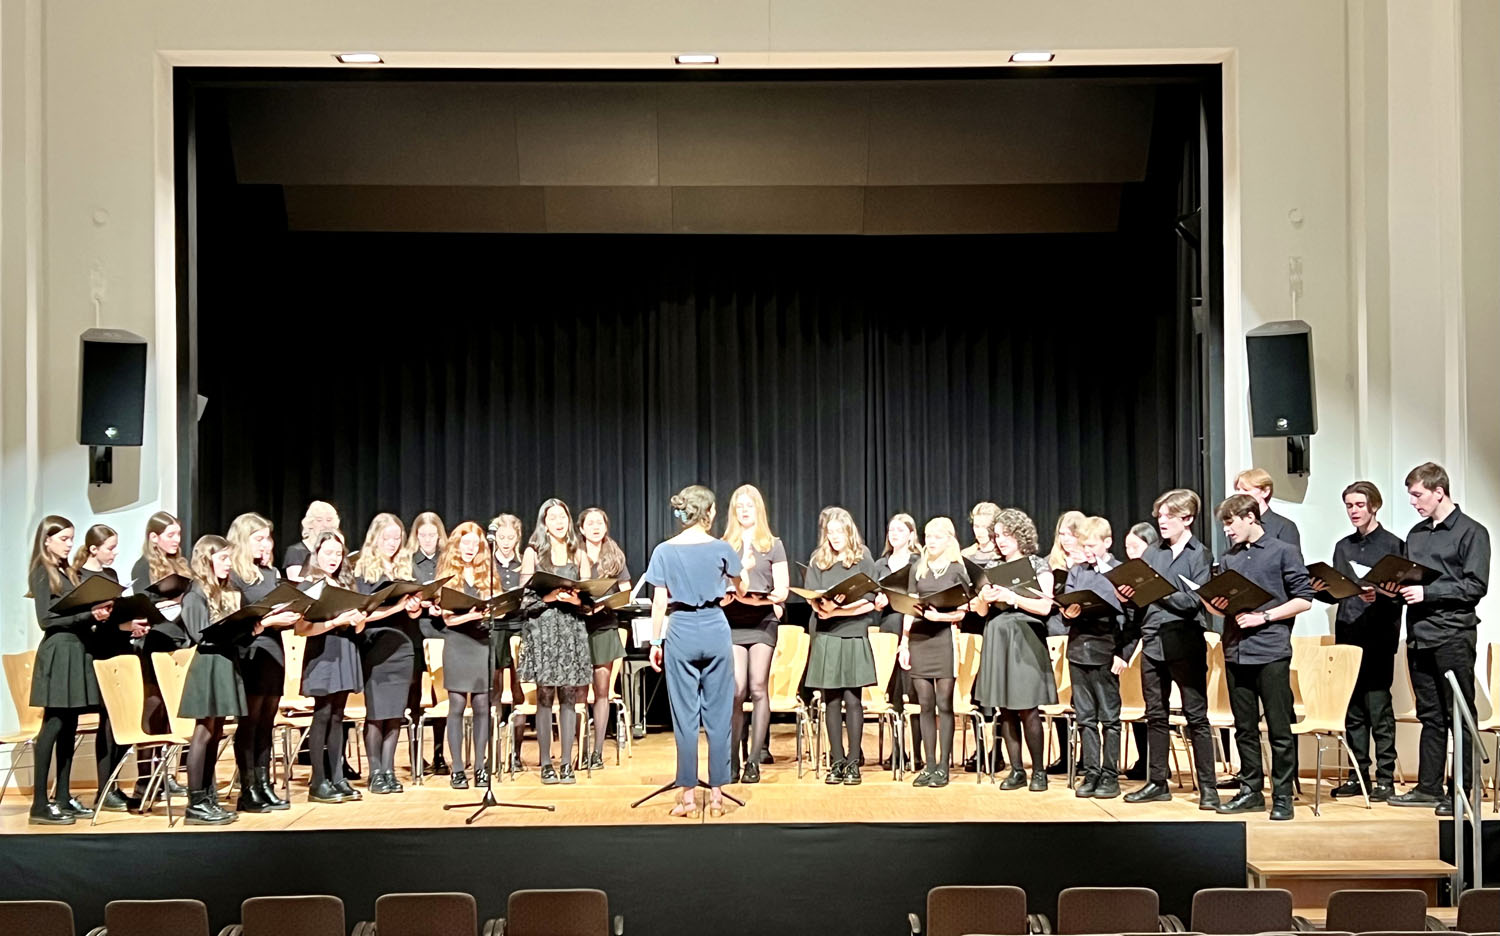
[(1283, 401), (111, 387)]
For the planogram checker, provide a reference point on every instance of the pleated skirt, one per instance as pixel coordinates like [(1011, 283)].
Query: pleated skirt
[(1015, 670), (835, 662), (62, 676), (213, 688)]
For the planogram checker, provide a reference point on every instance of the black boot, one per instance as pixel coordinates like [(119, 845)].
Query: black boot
[(324, 792), (268, 789), (202, 811), (251, 800)]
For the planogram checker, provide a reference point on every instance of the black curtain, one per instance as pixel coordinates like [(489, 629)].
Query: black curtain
[(480, 374)]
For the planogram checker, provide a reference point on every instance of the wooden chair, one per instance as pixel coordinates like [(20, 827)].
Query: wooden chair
[(422, 915), (155, 917), (1220, 714), (289, 916), (1327, 677), (1305, 652), (965, 712), (576, 911), (29, 719), (1363, 911), (878, 705), (36, 917), (1242, 910), (1112, 909), (1057, 650), (955, 911), (123, 692), (1489, 724), (1132, 703), (787, 667), (294, 717)]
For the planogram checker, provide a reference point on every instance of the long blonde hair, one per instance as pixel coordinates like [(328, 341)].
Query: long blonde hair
[(370, 566), (914, 544), (159, 565), (1058, 558), (823, 556), (222, 598), (483, 565), (241, 529), (425, 518), (949, 555), (307, 519), (734, 534)]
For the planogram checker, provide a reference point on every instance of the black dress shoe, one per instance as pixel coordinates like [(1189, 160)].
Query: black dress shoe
[(202, 810), (76, 808), (922, 779), (751, 774), (596, 761), (251, 800), (516, 764), (972, 764), (1381, 792), (176, 788), (1245, 801), (1414, 798), (565, 775), (1208, 800), (1281, 809), (50, 815), (1038, 782), (439, 764), (835, 773), (734, 773), (377, 783), (851, 775), (113, 801), (1107, 788), (1085, 788), (766, 758), (349, 772), (1058, 768), (346, 791), (939, 779), (549, 774), (1444, 809), (268, 789), (1014, 781), (458, 780), (1152, 792), (392, 784), (1348, 788), (481, 777), (324, 792)]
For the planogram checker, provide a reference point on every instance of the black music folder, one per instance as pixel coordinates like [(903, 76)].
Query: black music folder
[(1243, 594), (1401, 570), (234, 626), (458, 602), (949, 599), (589, 589), (94, 590), (1090, 603), (135, 608), (167, 589), (848, 591), (333, 602), (1339, 586), (1149, 586), (899, 580), (1017, 575)]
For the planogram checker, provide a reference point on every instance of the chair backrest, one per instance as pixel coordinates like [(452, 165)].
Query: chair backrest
[(171, 677), (36, 917), (1218, 684), (1304, 651), (1487, 700), (294, 649), (292, 916), (787, 665), (18, 677), (432, 652), (955, 911), (1242, 910), (1328, 676), (1479, 910), (967, 649), (885, 647), (1132, 695), (1403, 697), (577, 912), (1057, 651), (1360, 911), (123, 692), (426, 915), (156, 917), (1107, 910)]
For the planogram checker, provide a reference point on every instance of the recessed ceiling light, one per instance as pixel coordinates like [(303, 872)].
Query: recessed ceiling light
[(697, 58), (359, 58), (1032, 58)]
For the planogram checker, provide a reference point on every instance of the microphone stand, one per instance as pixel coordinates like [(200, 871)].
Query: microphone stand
[(488, 801)]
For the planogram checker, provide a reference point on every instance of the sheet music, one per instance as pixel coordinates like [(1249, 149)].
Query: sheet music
[(1360, 570), (1188, 583)]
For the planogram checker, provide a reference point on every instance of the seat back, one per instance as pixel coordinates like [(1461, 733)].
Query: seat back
[(787, 666), (967, 650), (1360, 911), (1487, 700), (156, 917), (426, 915), (1219, 711), (1304, 652), (292, 916), (1057, 652), (36, 917), (1328, 676), (123, 693), (18, 678), (955, 911), (1132, 696), (1242, 910), (294, 649), (577, 912), (171, 677), (885, 647), (1479, 910), (1107, 910)]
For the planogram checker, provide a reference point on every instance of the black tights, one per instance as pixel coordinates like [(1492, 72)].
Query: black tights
[(752, 679), (381, 736), (567, 721), (480, 701), (252, 739), (845, 711), (1011, 725), (58, 735), (936, 698), (107, 754), (325, 739), (203, 753), (601, 705)]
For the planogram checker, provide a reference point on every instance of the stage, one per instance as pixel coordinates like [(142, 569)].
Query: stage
[(800, 856)]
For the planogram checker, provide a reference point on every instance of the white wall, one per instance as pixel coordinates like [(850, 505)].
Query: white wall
[(1343, 154)]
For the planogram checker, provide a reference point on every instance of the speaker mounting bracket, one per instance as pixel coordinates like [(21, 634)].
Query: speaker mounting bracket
[(1297, 455), (101, 464)]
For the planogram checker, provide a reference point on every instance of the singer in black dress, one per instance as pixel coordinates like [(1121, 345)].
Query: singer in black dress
[(96, 556), (330, 670), (467, 657), (506, 534), (902, 547), (606, 560), (385, 647), (425, 543)]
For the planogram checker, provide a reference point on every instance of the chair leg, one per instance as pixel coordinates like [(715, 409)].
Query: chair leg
[(1318, 777), (17, 752), (1363, 789), (110, 783)]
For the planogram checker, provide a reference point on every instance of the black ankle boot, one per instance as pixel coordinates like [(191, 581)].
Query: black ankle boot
[(202, 810), (268, 789), (251, 800)]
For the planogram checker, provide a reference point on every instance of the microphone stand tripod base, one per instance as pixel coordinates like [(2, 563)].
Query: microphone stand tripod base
[(672, 786)]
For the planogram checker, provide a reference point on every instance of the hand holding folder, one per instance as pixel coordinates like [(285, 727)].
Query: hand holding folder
[(1145, 585)]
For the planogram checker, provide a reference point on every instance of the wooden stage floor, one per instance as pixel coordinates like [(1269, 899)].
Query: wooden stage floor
[(1346, 828)]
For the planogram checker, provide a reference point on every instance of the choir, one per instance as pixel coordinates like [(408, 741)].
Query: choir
[(368, 620)]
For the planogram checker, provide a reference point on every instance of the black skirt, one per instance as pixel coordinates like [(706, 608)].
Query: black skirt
[(213, 688), (388, 662), (466, 660), (264, 674), (931, 651), (62, 676)]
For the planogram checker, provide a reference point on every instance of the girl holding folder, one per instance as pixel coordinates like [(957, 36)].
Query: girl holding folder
[(330, 669), (466, 648), (385, 649)]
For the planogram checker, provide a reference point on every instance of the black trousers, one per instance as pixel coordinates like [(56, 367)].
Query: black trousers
[(1191, 675), (1253, 686), (1096, 702), (1371, 715), (1434, 699)]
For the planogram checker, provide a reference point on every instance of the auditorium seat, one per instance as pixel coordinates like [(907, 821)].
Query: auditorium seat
[(440, 914), (787, 667), (289, 916), (956, 911), (123, 694), (28, 719), (1366, 911), (1107, 909), (154, 918), (36, 918), (1327, 678), (1479, 910), (1242, 910), (577, 912), (878, 707)]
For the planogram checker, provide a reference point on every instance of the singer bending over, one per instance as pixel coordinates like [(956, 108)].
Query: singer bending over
[(691, 573)]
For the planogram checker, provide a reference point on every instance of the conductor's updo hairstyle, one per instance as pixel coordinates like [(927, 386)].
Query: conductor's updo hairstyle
[(693, 506)]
